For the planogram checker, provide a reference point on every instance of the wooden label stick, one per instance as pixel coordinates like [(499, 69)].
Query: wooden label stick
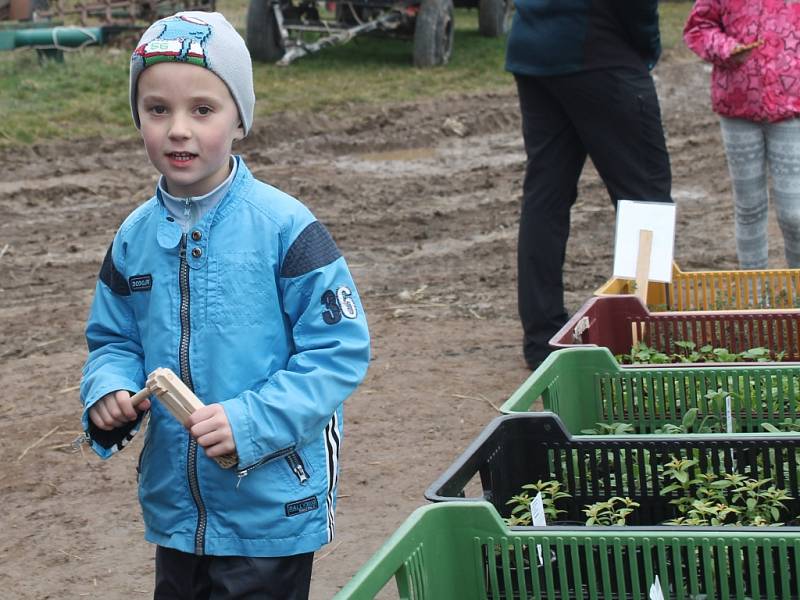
[(179, 400), (643, 263)]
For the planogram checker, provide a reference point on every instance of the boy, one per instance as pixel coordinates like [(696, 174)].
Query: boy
[(241, 292)]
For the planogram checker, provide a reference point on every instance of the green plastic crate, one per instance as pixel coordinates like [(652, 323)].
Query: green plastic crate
[(586, 386), (464, 551)]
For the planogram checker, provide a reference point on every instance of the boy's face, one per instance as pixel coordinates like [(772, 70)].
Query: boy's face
[(188, 122)]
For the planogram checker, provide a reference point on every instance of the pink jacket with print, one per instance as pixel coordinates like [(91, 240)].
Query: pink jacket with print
[(766, 86)]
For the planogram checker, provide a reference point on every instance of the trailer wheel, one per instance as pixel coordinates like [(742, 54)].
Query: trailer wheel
[(494, 17), (263, 37), (433, 33)]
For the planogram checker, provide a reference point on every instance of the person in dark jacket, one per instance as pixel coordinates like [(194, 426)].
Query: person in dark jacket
[(582, 69)]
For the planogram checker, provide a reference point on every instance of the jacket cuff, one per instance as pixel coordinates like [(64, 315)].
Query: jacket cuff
[(107, 443)]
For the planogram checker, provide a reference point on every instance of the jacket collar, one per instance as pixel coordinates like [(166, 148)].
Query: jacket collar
[(169, 231)]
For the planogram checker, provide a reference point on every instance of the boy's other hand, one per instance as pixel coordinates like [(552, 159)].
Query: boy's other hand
[(115, 410), (210, 427)]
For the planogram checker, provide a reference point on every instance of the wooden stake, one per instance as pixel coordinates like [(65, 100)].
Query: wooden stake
[(643, 263)]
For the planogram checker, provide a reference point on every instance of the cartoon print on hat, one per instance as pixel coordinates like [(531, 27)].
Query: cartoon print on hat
[(203, 39), (182, 40)]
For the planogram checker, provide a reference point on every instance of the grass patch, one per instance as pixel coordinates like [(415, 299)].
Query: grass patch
[(672, 16), (87, 94)]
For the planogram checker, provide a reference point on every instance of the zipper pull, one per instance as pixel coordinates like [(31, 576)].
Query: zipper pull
[(186, 210), (300, 472), (80, 441), (241, 475)]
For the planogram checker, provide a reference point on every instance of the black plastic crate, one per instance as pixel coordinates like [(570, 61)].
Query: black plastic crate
[(518, 449)]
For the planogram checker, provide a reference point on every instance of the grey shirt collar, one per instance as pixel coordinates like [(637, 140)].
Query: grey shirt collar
[(187, 212)]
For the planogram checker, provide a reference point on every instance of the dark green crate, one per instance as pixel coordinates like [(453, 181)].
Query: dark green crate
[(586, 386)]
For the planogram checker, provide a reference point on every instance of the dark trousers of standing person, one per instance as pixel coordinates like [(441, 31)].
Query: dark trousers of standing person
[(613, 116), (182, 576)]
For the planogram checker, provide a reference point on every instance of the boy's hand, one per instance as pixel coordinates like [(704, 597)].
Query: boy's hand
[(115, 410), (210, 427)]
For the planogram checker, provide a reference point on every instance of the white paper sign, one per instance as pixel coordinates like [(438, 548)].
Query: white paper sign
[(632, 217), (729, 424), (538, 520), (655, 591), (728, 414)]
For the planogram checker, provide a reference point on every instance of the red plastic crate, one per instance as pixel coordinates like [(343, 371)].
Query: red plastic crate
[(618, 322)]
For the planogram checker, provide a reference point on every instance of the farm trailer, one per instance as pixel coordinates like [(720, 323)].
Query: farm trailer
[(285, 30), (41, 24)]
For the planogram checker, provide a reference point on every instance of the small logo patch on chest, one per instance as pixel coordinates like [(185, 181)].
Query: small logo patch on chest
[(140, 283), (298, 507)]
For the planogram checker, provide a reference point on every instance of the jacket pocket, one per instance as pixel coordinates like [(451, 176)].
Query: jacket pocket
[(289, 464), (241, 290)]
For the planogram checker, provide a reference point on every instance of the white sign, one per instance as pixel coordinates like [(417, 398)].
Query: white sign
[(538, 520), (634, 216), (728, 414)]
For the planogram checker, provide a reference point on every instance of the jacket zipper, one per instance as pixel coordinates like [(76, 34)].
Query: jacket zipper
[(297, 467), (292, 459), (186, 377)]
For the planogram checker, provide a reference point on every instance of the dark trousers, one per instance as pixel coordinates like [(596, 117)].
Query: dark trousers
[(611, 115), (182, 576)]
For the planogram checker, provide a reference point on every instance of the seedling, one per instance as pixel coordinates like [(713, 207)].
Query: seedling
[(688, 352), (550, 492), (613, 511)]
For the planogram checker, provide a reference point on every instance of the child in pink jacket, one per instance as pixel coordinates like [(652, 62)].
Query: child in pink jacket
[(755, 88)]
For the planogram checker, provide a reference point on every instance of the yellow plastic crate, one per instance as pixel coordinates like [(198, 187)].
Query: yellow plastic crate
[(716, 290)]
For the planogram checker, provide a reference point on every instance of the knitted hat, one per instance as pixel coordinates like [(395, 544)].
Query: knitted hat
[(198, 38)]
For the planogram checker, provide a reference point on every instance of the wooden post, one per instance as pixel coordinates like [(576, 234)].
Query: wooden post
[(643, 263)]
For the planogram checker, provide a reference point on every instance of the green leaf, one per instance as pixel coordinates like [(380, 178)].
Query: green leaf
[(689, 418)]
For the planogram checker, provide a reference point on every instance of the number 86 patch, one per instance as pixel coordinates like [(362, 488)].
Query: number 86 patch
[(338, 304)]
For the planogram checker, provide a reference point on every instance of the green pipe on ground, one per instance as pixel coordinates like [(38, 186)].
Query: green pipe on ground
[(51, 37)]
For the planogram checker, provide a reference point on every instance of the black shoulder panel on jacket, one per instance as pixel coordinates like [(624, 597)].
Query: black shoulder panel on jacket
[(313, 248), (113, 278)]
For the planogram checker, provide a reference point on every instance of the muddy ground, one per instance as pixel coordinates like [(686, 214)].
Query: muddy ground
[(423, 200)]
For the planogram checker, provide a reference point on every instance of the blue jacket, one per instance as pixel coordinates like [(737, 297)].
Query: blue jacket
[(254, 308), (558, 37)]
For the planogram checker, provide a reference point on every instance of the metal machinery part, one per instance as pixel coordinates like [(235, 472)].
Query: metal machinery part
[(98, 12), (283, 30), (59, 25)]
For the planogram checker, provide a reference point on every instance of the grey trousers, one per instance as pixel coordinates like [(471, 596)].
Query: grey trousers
[(764, 163)]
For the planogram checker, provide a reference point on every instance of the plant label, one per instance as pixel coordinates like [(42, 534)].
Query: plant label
[(655, 590), (538, 520), (633, 217), (728, 414)]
